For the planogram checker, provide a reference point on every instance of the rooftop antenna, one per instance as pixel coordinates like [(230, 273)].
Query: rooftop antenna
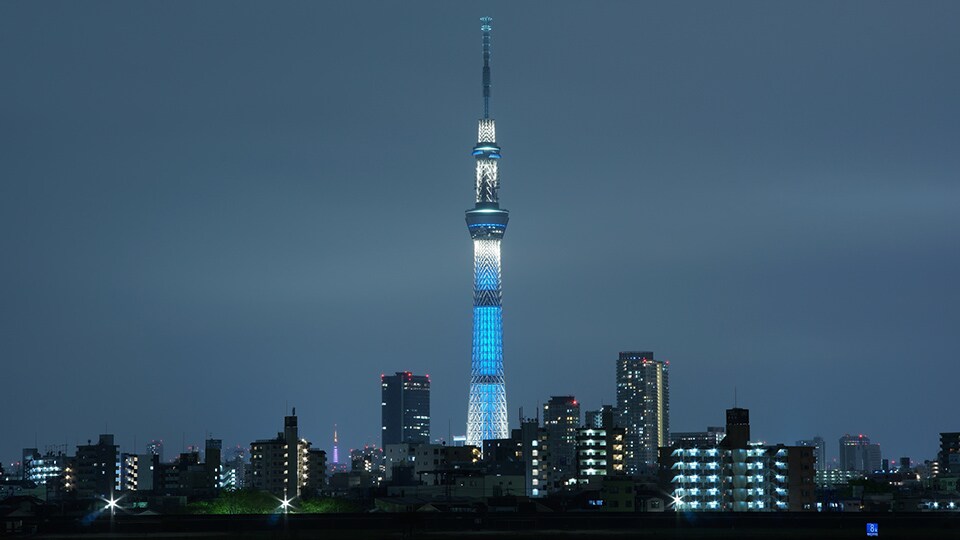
[(734, 397), (485, 28)]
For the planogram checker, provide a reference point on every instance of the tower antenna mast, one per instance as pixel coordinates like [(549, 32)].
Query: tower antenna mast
[(485, 28)]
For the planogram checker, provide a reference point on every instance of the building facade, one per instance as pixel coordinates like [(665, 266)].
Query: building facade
[(97, 468), (281, 466), (561, 420), (949, 455), (712, 436), (40, 469), (404, 408), (819, 450), (739, 476), (857, 453), (529, 444), (643, 401), (600, 452)]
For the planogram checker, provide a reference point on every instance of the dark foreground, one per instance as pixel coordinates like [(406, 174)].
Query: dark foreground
[(479, 526)]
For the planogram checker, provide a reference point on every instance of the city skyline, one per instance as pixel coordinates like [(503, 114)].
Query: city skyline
[(202, 214)]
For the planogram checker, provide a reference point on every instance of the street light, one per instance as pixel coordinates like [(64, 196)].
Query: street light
[(111, 505)]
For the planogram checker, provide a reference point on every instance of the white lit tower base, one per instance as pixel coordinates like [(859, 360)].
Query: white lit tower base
[(487, 410)]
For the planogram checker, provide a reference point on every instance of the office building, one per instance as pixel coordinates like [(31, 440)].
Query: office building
[(643, 400), (404, 408), (857, 453)]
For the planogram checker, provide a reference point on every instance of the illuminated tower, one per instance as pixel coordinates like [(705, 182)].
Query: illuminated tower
[(336, 450), (487, 409)]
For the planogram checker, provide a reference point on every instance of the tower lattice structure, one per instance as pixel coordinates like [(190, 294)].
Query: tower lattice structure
[(487, 409)]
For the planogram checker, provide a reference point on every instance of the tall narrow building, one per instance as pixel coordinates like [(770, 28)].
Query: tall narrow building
[(404, 408), (643, 400), (487, 405), (561, 420)]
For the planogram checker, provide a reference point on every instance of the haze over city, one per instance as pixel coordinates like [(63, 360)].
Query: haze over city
[(214, 214)]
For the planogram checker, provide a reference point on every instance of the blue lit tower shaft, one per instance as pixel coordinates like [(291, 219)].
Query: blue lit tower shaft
[(487, 410)]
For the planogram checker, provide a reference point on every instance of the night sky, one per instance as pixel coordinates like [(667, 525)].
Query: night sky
[(212, 211)]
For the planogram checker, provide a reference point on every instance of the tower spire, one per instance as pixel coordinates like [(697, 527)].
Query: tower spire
[(485, 28)]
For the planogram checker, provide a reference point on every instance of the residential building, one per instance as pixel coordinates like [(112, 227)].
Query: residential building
[(314, 478), (97, 468), (281, 465), (41, 468), (600, 452), (949, 455), (561, 420), (528, 445), (643, 400), (738, 475)]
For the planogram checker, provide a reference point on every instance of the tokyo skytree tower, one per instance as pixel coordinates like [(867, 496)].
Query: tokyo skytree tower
[(487, 409)]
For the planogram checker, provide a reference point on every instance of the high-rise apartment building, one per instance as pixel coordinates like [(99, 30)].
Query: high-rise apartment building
[(486, 221), (561, 420), (404, 408), (857, 453), (643, 400)]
